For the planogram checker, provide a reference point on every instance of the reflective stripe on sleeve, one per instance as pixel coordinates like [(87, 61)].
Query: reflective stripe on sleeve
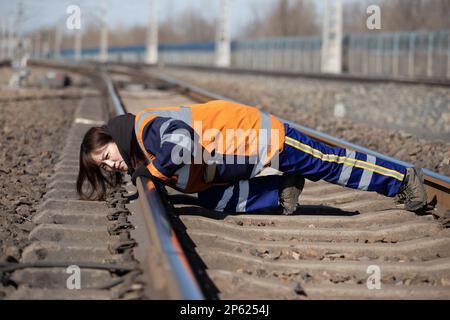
[(347, 167), (366, 177), (243, 196), (183, 176), (227, 194), (263, 142)]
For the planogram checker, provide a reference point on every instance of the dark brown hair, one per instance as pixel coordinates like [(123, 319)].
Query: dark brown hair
[(98, 179)]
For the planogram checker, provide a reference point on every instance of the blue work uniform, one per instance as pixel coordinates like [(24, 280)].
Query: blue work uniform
[(169, 135), (314, 161)]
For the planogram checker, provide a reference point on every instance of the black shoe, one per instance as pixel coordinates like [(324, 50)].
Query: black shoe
[(412, 192), (290, 190)]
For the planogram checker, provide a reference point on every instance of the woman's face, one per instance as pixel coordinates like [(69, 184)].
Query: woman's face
[(109, 158)]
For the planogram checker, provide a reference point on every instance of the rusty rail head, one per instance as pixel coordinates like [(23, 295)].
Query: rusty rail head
[(172, 275)]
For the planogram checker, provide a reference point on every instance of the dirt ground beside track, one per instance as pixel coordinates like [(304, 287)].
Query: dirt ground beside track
[(32, 134), (34, 123)]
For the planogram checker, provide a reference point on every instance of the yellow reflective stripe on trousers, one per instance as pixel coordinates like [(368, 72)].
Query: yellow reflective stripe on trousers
[(343, 160)]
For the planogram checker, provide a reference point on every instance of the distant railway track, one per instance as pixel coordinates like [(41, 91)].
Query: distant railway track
[(326, 76), (444, 82), (438, 186), (328, 251)]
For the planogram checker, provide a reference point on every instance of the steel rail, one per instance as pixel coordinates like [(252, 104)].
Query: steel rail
[(437, 185), (169, 266), (165, 247), (296, 74), (319, 76)]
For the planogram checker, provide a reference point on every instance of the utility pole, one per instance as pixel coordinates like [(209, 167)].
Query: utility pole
[(332, 37), (3, 41), (32, 47), (223, 50), (38, 45), (18, 48), (46, 45), (152, 34), (19, 57), (10, 44), (78, 42), (58, 40), (104, 33)]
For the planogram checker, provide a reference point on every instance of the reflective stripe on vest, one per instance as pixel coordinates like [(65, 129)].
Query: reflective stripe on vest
[(263, 142), (179, 113), (183, 176), (185, 114)]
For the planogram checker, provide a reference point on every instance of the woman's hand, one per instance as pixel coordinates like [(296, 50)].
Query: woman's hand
[(141, 171)]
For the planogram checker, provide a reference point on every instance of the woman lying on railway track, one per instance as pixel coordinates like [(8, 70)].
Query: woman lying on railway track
[(218, 149)]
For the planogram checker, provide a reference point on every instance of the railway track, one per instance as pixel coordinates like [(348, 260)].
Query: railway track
[(74, 237), (444, 82), (323, 252), (338, 245)]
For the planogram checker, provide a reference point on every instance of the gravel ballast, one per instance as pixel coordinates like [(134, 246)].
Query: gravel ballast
[(34, 123), (32, 135)]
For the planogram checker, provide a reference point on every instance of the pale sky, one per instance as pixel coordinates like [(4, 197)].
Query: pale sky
[(39, 13)]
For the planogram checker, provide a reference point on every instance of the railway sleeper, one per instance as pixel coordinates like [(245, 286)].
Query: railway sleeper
[(414, 250), (233, 285), (430, 274), (370, 219), (74, 217), (64, 194), (89, 235), (385, 234), (335, 198), (56, 278), (24, 292), (323, 221), (59, 252)]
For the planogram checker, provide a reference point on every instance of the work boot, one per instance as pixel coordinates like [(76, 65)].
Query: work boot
[(291, 187), (412, 192)]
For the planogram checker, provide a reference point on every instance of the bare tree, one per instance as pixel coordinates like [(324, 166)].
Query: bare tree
[(167, 32), (354, 19), (303, 18), (253, 28), (285, 18), (192, 26), (187, 26), (279, 20)]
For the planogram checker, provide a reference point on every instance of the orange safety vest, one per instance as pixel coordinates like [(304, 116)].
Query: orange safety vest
[(225, 127)]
